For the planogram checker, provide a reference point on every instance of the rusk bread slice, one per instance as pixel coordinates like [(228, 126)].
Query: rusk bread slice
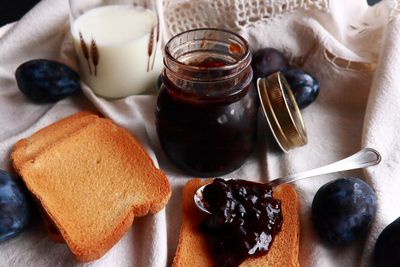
[(26, 149), (93, 183), (193, 249)]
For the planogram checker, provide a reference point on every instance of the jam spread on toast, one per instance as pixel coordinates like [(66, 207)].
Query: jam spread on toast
[(245, 218)]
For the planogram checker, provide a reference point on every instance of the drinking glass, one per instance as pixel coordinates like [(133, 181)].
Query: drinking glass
[(118, 45)]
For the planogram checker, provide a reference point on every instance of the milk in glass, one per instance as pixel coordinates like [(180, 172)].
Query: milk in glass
[(118, 49)]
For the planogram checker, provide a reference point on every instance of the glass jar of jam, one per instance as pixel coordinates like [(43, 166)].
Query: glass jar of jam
[(206, 114)]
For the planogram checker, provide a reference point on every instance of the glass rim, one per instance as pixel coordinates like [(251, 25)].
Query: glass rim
[(246, 54)]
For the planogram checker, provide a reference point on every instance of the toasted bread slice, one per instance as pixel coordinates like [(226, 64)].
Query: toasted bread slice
[(193, 249), (26, 149), (93, 183)]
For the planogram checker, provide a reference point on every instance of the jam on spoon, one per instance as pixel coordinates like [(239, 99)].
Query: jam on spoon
[(243, 222), (364, 158)]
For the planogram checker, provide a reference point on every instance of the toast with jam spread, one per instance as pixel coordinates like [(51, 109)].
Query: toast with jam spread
[(92, 183), (193, 249)]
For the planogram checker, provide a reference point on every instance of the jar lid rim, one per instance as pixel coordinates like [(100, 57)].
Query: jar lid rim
[(281, 111)]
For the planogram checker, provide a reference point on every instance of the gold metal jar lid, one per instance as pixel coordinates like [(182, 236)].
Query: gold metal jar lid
[(281, 111)]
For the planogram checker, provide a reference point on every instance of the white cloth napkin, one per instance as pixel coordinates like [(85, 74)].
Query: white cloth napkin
[(353, 49)]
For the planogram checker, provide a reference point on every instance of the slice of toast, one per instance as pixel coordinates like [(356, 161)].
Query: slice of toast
[(93, 183), (193, 249), (26, 149)]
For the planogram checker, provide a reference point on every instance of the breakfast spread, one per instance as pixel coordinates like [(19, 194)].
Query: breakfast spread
[(206, 114), (91, 177), (91, 182), (15, 207), (194, 250), (118, 48), (46, 81), (243, 222)]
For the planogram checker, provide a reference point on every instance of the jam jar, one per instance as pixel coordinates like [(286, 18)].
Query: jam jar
[(206, 115)]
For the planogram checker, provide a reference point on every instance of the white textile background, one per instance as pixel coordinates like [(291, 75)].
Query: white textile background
[(353, 49)]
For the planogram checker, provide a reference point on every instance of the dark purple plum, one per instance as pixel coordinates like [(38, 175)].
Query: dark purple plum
[(267, 61), (304, 86), (14, 206), (46, 81), (343, 210), (387, 247)]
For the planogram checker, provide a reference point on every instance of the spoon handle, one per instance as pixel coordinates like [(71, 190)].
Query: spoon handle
[(364, 158)]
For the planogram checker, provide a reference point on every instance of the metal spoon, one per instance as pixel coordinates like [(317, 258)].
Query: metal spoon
[(364, 158)]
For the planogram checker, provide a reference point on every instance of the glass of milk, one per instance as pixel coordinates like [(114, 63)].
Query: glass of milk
[(118, 45)]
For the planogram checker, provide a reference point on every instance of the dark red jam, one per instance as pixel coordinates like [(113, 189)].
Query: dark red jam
[(244, 221), (209, 63), (206, 114), (207, 138)]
